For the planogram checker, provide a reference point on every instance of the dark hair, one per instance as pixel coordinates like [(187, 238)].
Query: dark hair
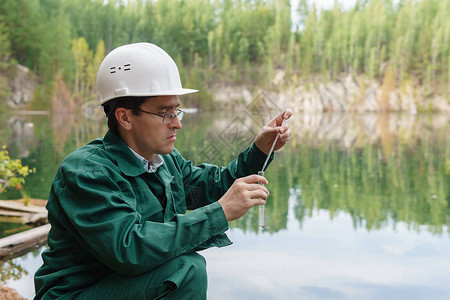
[(110, 107)]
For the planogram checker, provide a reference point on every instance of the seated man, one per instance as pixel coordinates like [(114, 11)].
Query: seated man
[(118, 205)]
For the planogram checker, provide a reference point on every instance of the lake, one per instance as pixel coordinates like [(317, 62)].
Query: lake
[(358, 206)]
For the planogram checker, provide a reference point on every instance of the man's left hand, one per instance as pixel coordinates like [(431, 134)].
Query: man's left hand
[(268, 133)]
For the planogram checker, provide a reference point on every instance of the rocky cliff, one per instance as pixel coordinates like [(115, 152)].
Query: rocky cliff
[(22, 84), (346, 94)]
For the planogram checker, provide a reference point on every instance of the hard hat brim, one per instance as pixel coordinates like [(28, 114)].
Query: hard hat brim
[(175, 92)]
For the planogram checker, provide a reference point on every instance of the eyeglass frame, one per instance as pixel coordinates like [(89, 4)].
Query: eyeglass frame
[(179, 114)]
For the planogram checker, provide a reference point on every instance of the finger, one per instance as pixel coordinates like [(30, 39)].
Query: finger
[(280, 118), (277, 120), (258, 194), (255, 179), (285, 139), (285, 136), (256, 187), (283, 128), (287, 114), (270, 132), (284, 116), (262, 194), (258, 201)]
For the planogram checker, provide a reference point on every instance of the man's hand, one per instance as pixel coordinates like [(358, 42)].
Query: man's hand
[(268, 133), (243, 195)]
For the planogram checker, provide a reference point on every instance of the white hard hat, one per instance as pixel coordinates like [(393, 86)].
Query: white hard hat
[(140, 69)]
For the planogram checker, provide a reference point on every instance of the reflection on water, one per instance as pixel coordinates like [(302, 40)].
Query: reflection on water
[(11, 270), (330, 259), (376, 168), (347, 191), (18, 273)]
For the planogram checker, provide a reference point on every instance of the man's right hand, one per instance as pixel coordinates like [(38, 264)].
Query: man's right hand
[(245, 193)]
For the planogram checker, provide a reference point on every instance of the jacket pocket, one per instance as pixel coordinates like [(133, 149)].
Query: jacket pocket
[(148, 206), (178, 195)]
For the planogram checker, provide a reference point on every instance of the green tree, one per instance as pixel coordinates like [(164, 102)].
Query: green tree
[(5, 56), (55, 55), (23, 20), (12, 173), (82, 58), (93, 67), (233, 40)]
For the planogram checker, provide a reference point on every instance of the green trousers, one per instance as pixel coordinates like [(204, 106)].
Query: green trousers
[(181, 278)]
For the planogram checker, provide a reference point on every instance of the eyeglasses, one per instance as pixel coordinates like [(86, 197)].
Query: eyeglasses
[(167, 117)]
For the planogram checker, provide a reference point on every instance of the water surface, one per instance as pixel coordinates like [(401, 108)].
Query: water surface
[(359, 204)]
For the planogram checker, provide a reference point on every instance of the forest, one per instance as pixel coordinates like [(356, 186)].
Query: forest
[(227, 41)]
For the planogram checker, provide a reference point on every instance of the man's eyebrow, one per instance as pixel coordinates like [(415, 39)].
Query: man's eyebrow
[(168, 106)]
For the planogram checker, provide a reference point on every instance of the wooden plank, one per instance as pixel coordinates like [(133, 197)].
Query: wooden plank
[(12, 205), (22, 217), (12, 213), (23, 242)]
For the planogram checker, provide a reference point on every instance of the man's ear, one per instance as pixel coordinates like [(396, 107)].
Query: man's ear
[(122, 116)]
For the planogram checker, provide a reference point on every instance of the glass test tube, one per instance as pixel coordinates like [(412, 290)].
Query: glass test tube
[(262, 217)]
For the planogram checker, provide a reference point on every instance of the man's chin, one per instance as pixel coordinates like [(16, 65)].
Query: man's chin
[(167, 150)]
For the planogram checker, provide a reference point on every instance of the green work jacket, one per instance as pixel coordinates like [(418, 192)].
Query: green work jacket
[(106, 219)]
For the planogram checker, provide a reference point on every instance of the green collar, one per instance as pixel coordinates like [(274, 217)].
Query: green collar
[(126, 160)]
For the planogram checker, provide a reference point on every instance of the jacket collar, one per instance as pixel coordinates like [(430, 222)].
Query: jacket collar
[(128, 163)]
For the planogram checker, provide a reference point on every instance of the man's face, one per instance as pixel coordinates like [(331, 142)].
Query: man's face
[(149, 134)]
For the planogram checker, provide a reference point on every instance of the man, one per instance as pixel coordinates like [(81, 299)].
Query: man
[(118, 205)]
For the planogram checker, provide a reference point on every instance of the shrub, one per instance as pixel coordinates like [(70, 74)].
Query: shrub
[(12, 173)]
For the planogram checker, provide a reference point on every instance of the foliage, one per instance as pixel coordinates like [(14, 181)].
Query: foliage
[(5, 53), (12, 173), (378, 173), (232, 40), (397, 179), (11, 269)]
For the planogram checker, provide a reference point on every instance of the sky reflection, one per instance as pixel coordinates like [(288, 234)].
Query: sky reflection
[(325, 259), (372, 167), (330, 259)]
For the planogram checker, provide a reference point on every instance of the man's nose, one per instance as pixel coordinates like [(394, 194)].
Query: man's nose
[(176, 123)]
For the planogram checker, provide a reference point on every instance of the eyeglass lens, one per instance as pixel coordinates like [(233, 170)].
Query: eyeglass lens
[(168, 118)]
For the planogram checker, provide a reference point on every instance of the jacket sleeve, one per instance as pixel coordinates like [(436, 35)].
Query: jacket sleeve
[(96, 208), (206, 183)]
